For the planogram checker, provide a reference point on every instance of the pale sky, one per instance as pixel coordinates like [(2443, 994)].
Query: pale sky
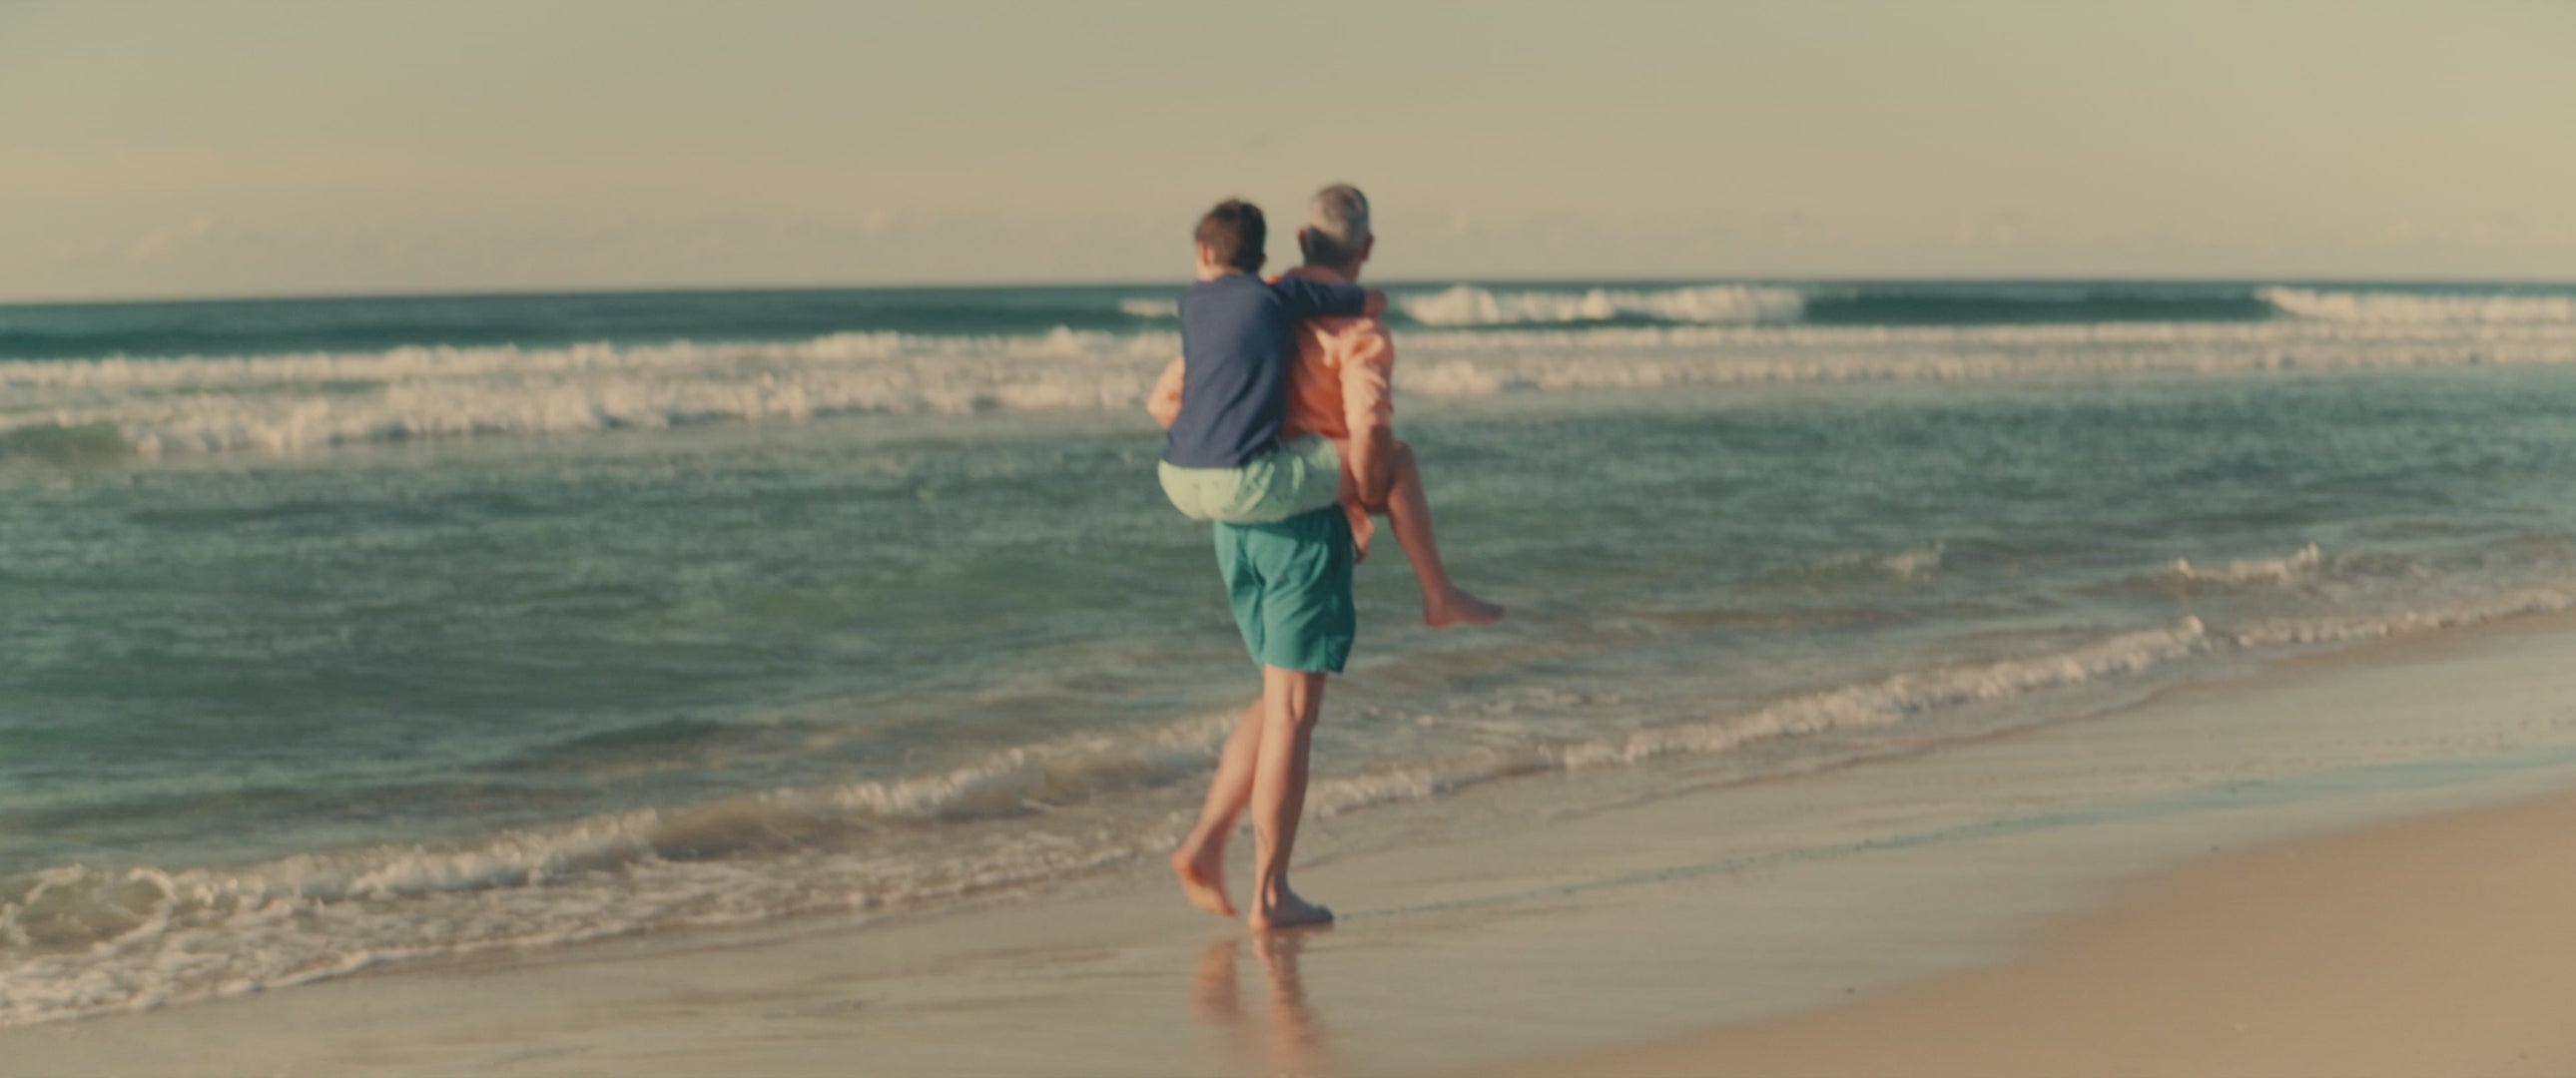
[(221, 148)]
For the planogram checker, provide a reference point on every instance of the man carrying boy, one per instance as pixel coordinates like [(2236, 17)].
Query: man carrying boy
[(1288, 576), (1340, 391)]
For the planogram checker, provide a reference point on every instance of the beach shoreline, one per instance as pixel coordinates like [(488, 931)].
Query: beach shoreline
[(1565, 941)]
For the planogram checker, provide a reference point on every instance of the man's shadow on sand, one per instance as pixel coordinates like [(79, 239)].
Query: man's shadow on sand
[(1296, 1041)]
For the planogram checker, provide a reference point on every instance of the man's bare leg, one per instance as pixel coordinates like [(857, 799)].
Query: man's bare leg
[(1408, 512), (1291, 699), (1200, 862)]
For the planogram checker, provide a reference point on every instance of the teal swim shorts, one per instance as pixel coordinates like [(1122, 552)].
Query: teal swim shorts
[(1290, 586), (1297, 475)]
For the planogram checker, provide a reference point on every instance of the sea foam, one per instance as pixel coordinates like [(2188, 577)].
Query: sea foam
[(87, 940)]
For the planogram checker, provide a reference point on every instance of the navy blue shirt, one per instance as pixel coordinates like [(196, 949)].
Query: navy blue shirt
[(1236, 352)]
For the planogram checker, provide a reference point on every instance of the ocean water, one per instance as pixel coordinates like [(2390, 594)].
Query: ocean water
[(342, 632)]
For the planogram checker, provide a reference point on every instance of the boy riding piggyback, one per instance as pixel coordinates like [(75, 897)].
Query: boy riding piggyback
[(1333, 392), (1223, 460)]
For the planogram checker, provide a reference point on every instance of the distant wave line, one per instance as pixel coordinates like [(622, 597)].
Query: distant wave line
[(315, 400)]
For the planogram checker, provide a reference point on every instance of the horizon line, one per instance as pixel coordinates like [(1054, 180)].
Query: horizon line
[(534, 292)]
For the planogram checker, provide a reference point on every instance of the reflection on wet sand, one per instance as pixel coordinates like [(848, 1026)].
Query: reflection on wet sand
[(1296, 1041)]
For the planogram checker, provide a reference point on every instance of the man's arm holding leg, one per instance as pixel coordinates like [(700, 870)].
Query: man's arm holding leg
[(1368, 412)]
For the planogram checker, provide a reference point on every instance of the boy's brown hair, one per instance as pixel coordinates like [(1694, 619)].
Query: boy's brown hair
[(1235, 234)]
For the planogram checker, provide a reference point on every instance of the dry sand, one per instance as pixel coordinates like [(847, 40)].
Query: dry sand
[(2439, 946)]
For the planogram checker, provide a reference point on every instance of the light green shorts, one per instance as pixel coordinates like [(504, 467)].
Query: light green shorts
[(1299, 475)]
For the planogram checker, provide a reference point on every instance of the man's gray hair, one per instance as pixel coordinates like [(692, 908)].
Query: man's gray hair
[(1337, 225)]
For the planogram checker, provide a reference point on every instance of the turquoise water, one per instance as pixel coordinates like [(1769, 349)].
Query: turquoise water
[(405, 630)]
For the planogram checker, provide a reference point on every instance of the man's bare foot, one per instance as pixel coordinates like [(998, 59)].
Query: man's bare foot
[(1459, 608), (1289, 911), (1202, 873)]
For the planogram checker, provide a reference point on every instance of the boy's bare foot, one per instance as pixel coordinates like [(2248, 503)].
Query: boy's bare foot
[(1459, 608), (1289, 911), (1202, 874)]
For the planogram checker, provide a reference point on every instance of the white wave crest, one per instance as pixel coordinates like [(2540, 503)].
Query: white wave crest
[(301, 402), (1868, 705), (1468, 305), (1649, 358), (126, 939), (1912, 563), (2419, 307), (2338, 629), (1915, 563), (2284, 570), (1151, 308), (1894, 699)]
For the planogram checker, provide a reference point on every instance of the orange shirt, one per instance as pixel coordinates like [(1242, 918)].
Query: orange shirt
[(1343, 383)]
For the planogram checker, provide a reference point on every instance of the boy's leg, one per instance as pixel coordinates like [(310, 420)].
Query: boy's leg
[(1200, 862), (1408, 512), (1291, 700)]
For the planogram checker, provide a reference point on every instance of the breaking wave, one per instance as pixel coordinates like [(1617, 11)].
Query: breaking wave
[(303, 401), (1958, 305), (2420, 308), (1468, 305)]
